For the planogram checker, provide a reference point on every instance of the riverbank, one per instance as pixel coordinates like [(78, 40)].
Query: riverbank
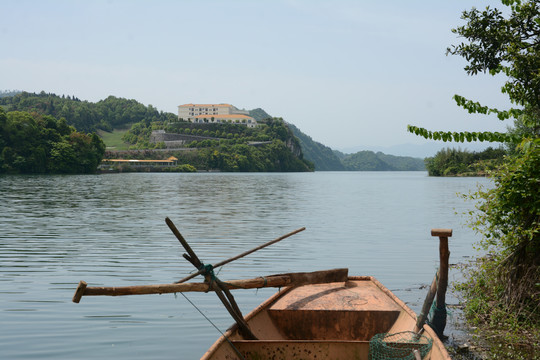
[(494, 328)]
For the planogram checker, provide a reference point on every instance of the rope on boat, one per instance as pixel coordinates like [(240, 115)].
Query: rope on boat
[(208, 269), (214, 325)]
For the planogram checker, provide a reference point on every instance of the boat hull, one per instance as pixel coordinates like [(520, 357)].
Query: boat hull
[(322, 321)]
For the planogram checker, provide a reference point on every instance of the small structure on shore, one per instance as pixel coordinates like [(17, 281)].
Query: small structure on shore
[(171, 161)]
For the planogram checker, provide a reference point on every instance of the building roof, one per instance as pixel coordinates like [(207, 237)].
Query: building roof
[(227, 116), (205, 105), (171, 159)]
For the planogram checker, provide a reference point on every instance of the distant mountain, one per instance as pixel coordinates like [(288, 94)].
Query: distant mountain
[(366, 161), (326, 159), (371, 161), (427, 149), (403, 163), (322, 156)]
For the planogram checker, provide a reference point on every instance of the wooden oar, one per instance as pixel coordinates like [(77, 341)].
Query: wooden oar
[(439, 283), (427, 304), (215, 266), (278, 280)]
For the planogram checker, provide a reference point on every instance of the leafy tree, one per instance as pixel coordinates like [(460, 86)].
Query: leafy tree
[(498, 45), (504, 290), (452, 162), (31, 143)]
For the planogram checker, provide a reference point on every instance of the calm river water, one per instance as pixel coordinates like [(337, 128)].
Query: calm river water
[(109, 230)]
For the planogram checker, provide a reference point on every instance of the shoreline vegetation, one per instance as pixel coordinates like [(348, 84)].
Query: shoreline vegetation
[(32, 143), (456, 162)]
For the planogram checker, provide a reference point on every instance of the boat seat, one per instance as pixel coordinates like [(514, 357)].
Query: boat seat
[(354, 310)]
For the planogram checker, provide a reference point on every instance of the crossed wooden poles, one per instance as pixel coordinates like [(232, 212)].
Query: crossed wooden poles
[(222, 289), (217, 285)]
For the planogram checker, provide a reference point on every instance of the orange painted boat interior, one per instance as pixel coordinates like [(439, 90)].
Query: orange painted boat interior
[(322, 321)]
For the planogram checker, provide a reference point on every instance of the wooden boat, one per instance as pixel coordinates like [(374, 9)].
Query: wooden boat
[(333, 320), (319, 315)]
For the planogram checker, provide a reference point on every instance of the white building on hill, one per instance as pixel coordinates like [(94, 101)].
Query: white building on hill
[(215, 113)]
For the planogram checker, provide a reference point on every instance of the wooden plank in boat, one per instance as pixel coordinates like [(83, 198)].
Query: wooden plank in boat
[(355, 310), (350, 296)]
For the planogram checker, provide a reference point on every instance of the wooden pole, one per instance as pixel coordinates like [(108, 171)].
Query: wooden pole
[(278, 280), (438, 321), (191, 253), (427, 304), (444, 255), (259, 247), (192, 258), (79, 292)]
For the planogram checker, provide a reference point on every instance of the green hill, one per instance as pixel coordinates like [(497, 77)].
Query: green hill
[(108, 114), (322, 156), (370, 161), (365, 161), (271, 146), (259, 114), (402, 163)]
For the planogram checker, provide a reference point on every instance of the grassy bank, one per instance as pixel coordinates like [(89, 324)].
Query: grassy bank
[(113, 140)]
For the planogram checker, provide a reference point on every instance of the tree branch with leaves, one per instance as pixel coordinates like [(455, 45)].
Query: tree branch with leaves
[(503, 292)]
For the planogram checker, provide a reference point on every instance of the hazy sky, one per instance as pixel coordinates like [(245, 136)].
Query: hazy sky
[(347, 73)]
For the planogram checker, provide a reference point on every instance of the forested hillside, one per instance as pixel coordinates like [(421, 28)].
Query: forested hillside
[(322, 156), (271, 146), (40, 144), (86, 116), (259, 114)]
